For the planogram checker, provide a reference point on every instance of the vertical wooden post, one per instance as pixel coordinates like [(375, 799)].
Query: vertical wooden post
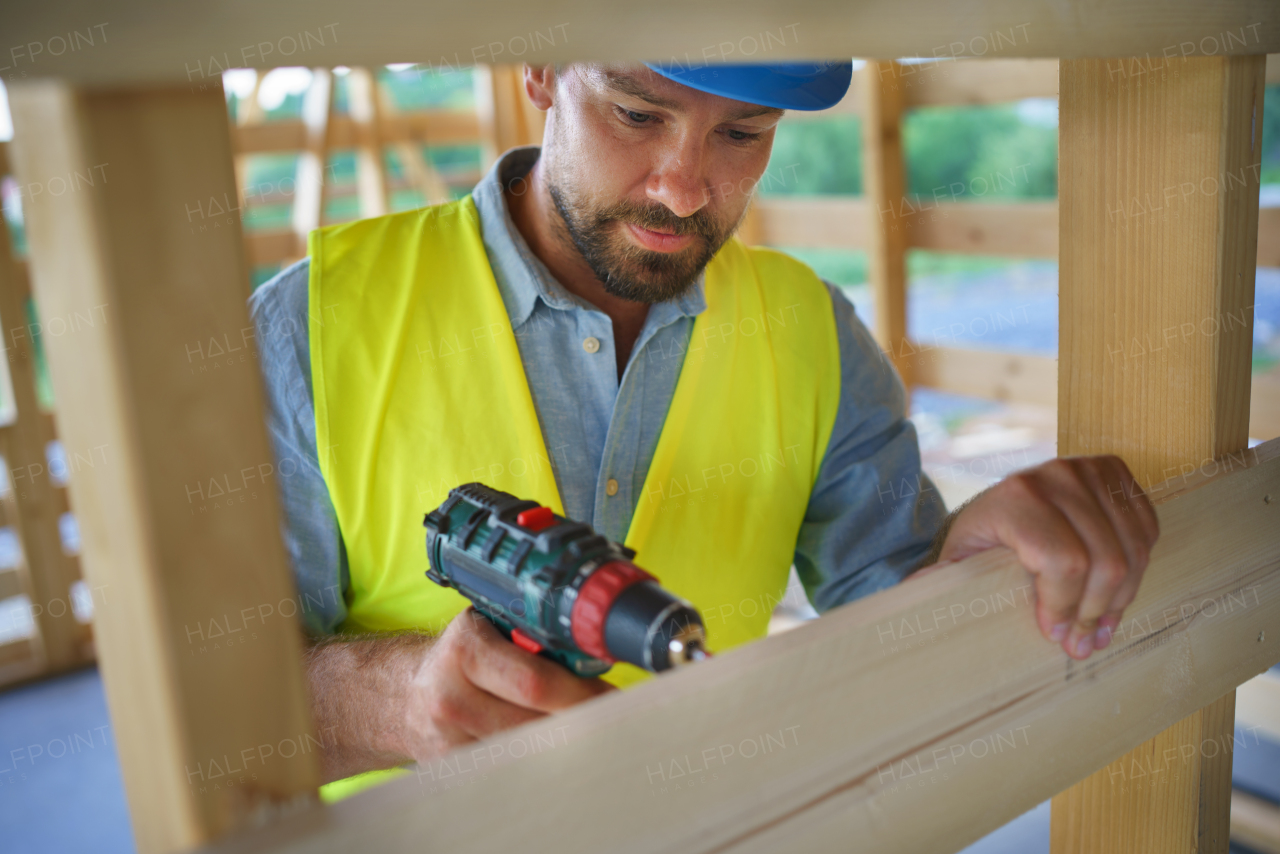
[(885, 182), (422, 176), (249, 113), (37, 505), (24, 657), (507, 118), (311, 179), (1158, 202), (366, 112), (198, 638)]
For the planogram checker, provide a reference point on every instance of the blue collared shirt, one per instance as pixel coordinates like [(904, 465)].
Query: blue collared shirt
[(871, 516)]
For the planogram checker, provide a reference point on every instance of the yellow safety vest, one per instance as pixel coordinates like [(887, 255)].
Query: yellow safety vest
[(419, 387)]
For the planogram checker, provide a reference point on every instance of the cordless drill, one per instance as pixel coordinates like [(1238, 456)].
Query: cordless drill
[(555, 587)]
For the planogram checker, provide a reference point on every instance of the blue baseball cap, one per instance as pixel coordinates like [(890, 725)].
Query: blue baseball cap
[(787, 86)]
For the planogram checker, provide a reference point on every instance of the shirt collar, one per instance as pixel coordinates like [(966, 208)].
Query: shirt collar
[(521, 277)]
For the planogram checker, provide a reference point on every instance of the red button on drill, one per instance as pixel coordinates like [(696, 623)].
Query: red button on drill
[(525, 642), (536, 518)]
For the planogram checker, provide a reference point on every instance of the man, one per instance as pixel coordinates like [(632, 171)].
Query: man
[(583, 331)]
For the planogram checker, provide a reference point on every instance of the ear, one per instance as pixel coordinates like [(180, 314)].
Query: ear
[(540, 84)]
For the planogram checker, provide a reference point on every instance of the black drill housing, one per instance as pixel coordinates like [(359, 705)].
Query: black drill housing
[(529, 580)]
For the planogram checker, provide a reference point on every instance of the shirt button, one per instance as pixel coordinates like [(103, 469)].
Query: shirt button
[(610, 486), (591, 345)]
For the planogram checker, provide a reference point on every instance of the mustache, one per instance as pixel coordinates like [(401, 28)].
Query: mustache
[(661, 218)]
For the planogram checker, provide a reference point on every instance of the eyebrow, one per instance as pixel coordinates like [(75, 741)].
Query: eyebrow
[(629, 85)]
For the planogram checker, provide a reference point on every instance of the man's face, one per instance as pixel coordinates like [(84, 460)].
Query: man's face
[(650, 177)]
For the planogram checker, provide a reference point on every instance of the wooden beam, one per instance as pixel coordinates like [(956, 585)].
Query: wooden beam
[(812, 221), (505, 116), (1010, 377), (957, 82), (860, 725), (311, 180), (1013, 230), (1269, 237), (986, 374), (365, 109), (420, 173), (263, 248), (12, 582), (885, 180), (19, 662), (1010, 229), (427, 127), (1264, 405), (986, 81), (179, 518), (1127, 274), (151, 40)]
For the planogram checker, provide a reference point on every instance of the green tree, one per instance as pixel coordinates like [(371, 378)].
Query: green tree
[(815, 157), (1271, 136)]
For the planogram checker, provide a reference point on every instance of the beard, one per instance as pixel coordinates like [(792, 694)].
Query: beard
[(629, 271)]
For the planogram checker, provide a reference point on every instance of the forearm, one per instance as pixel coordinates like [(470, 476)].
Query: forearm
[(359, 694)]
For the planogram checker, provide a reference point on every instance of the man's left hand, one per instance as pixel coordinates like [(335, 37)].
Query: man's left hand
[(1083, 527)]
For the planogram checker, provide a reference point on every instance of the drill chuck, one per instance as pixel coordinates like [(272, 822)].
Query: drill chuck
[(556, 587)]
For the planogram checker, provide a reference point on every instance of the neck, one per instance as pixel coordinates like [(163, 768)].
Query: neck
[(538, 221)]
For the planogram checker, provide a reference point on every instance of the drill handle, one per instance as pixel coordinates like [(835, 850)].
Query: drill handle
[(578, 663)]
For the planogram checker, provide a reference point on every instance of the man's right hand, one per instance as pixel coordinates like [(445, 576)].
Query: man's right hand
[(388, 700), (473, 682)]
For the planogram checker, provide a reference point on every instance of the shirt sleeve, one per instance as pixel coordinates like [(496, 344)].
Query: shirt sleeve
[(873, 512), (311, 535)]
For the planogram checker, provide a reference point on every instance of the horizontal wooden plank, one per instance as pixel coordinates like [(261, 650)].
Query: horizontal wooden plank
[(811, 221), (1269, 237), (137, 41), (1255, 823), (1027, 230), (1024, 229), (1008, 229), (19, 661), (956, 82), (264, 248), (987, 374), (1264, 405), (432, 127), (17, 651), (916, 719), (1025, 378), (988, 81), (11, 583), (281, 193), (1011, 229)]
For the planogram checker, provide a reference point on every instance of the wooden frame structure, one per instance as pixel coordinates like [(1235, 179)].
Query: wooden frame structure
[(931, 699), (1017, 230), (35, 500), (185, 526)]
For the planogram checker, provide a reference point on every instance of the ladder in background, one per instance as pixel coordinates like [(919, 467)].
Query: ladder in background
[(44, 611)]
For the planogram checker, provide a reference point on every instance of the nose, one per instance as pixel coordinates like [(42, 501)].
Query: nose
[(677, 180)]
